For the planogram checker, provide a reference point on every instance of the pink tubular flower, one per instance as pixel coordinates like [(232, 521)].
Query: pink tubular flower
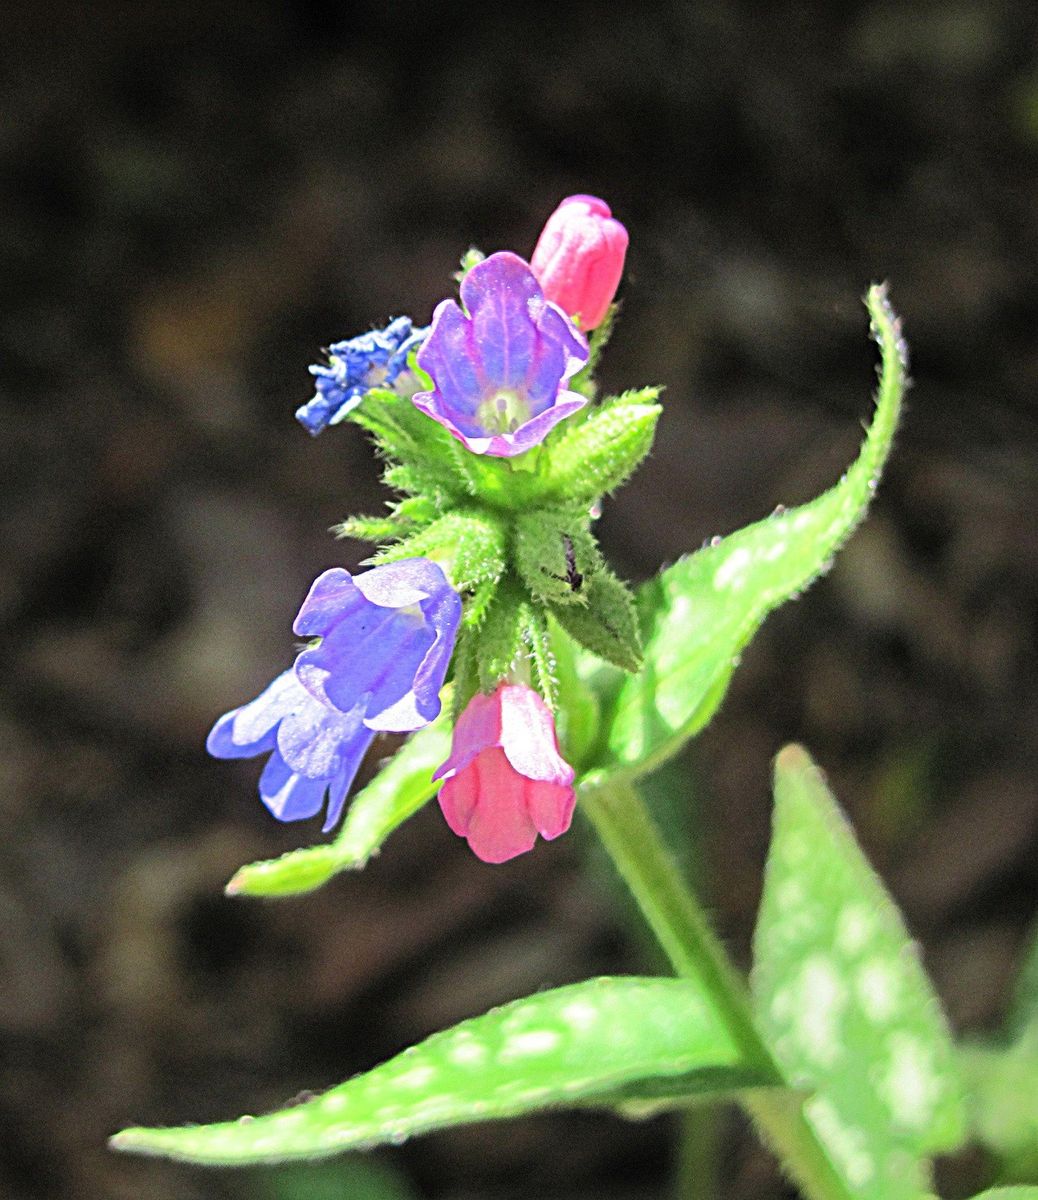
[(579, 258), (505, 780)]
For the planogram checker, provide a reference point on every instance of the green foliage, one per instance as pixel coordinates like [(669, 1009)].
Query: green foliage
[(504, 633), (555, 554), (403, 785), (542, 660), (403, 434), (414, 482), (843, 1001), (596, 455), (474, 543), (579, 713), (372, 529), (1009, 1193), (404, 517), (1003, 1101), (607, 1042), (606, 625), (699, 615)]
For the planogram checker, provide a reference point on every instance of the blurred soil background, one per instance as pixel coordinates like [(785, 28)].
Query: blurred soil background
[(192, 202)]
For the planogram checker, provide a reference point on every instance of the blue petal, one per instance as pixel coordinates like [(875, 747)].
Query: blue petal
[(319, 741), (250, 730), (354, 367), (497, 293), (332, 595), (290, 797), (378, 630), (449, 356)]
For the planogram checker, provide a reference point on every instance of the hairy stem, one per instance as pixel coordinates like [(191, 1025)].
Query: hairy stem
[(632, 840)]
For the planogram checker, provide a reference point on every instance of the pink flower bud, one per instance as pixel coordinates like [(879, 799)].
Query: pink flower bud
[(579, 258), (505, 780)]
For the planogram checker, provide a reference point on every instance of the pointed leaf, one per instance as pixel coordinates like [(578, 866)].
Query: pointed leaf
[(403, 785), (474, 544), (564, 1047), (843, 1001), (607, 625), (556, 553), (596, 455), (372, 529), (405, 435), (700, 613)]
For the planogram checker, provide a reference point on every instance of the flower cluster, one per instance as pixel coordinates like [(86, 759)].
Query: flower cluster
[(385, 643), (354, 367), (480, 555)]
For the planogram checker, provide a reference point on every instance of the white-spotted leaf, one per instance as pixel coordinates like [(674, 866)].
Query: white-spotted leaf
[(1003, 1100), (843, 1001), (699, 614), (605, 1042), (1009, 1193), (403, 785)]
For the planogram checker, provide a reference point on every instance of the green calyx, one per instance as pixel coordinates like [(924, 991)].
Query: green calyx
[(514, 535)]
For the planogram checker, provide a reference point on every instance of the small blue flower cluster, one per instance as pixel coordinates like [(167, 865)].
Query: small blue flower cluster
[(354, 367), (386, 639)]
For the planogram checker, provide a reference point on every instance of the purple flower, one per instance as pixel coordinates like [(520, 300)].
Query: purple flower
[(356, 366), (387, 639), (315, 749), (499, 367)]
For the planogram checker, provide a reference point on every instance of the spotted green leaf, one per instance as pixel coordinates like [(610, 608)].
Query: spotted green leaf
[(843, 1001), (1003, 1101), (1009, 1193), (604, 1042), (699, 615), (403, 785)]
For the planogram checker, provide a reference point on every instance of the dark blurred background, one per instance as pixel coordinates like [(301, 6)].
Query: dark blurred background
[(192, 202)]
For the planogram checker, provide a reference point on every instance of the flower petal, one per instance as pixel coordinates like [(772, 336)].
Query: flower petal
[(497, 294), (528, 737), (333, 595), (502, 363), (290, 797), (250, 729), (478, 728), (550, 806), (319, 741), (498, 825), (449, 356)]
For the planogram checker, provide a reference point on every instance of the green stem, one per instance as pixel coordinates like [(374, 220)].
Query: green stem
[(699, 1144), (632, 841)]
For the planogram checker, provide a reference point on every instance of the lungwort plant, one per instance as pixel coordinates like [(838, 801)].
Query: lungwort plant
[(535, 683)]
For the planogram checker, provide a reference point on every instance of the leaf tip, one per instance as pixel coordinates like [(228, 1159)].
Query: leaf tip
[(237, 885), (793, 758), (133, 1139)]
